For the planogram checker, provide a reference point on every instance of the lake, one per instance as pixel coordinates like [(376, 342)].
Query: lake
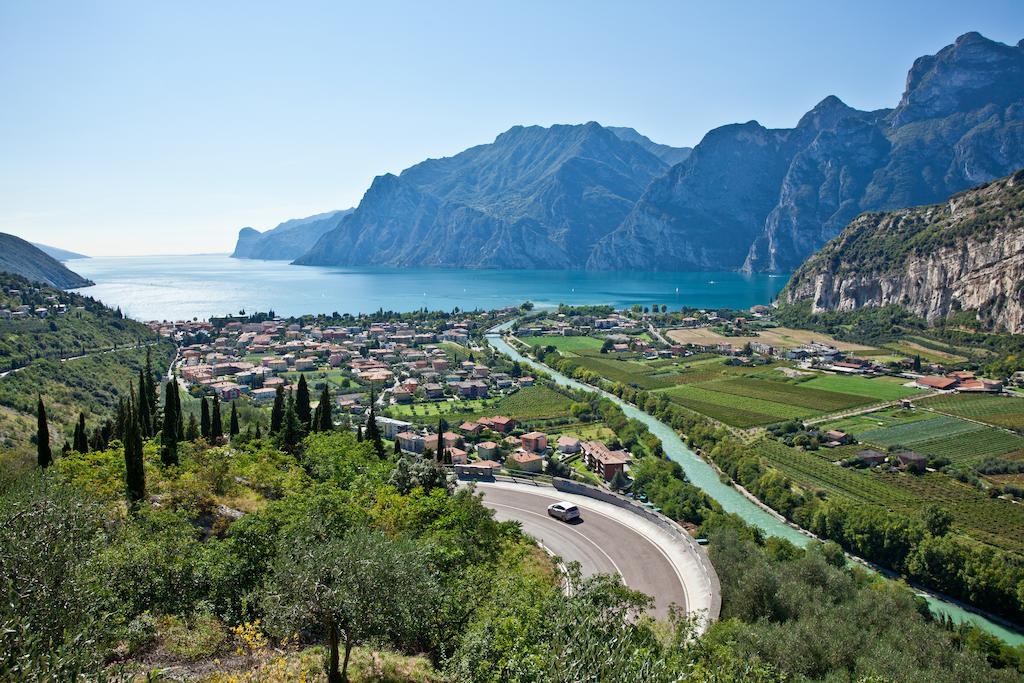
[(180, 287)]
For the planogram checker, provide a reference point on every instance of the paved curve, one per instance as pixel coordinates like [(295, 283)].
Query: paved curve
[(601, 543)]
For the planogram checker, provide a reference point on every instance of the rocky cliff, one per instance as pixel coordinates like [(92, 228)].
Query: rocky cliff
[(764, 200), (288, 240), (964, 254), (534, 198)]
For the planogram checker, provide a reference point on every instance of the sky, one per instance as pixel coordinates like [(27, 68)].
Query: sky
[(164, 127)]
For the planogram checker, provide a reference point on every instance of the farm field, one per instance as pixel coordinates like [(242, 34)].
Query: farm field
[(818, 400), (567, 344), (905, 347), (530, 403), (781, 337), (736, 410), (1001, 411), (993, 521), (877, 388), (919, 431), (973, 446), (888, 417)]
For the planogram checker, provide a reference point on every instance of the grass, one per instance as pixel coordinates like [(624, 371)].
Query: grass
[(736, 410), (780, 337), (531, 403), (877, 388), (818, 400), (567, 344)]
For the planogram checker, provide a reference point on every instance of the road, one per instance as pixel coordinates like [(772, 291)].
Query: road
[(602, 542)]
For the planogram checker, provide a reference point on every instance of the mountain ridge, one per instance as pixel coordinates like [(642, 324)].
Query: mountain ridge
[(22, 258), (287, 240)]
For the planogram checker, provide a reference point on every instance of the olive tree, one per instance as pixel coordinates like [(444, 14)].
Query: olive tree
[(352, 588)]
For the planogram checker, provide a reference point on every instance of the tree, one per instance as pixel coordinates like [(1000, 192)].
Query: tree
[(44, 456), (607, 346), (204, 411), (372, 430), (216, 422), (134, 471), (80, 439), (192, 430), (937, 520), (277, 412), (355, 588), (144, 406), (291, 429), (177, 410), (258, 434), (325, 423), (169, 433), (233, 424), (618, 481), (917, 362), (302, 403)]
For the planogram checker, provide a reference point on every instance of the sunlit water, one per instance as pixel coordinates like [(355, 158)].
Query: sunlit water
[(179, 287)]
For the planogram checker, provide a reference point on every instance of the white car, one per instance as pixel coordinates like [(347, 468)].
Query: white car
[(564, 511)]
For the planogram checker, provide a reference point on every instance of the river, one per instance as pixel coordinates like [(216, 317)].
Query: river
[(704, 476)]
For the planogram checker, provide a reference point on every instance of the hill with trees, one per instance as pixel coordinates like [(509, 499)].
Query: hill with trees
[(19, 257)]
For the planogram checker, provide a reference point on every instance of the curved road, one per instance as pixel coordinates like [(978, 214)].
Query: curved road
[(601, 542)]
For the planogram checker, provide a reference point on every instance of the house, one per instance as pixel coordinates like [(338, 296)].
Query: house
[(980, 385), (527, 462), (491, 465), (487, 449), (390, 427), (535, 442), (604, 462), (838, 437), (871, 458), (227, 391), (502, 424), (568, 445), (263, 396), (912, 462), (457, 456), (936, 382), (401, 395), (433, 390), (452, 440), (473, 428), (410, 442)]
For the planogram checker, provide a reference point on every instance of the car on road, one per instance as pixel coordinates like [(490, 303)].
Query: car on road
[(564, 511)]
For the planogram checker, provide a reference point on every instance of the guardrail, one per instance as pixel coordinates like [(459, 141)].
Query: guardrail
[(470, 473)]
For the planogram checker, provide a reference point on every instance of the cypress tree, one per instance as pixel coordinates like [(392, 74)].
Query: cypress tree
[(169, 434), (177, 410), (277, 412), (398, 448), (44, 456), (291, 429), (66, 448), (233, 427), (144, 415), (259, 434), (121, 420), (204, 425), (152, 396), (302, 403), (192, 431), (359, 434), (326, 421), (372, 430), (216, 422), (135, 474), (81, 437)]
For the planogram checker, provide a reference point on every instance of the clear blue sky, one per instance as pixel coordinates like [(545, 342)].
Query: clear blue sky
[(146, 127)]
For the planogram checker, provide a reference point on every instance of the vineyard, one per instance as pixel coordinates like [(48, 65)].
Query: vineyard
[(975, 446), (817, 400), (994, 521), (1001, 411), (919, 431), (877, 389), (733, 409)]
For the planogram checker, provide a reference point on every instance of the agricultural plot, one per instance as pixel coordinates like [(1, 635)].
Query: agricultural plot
[(732, 409), (1001, 411), (937, 427), (973, 446), (567, 344), (877, 388), (629, 372), (889, 417), (993, 521), (818, 400)]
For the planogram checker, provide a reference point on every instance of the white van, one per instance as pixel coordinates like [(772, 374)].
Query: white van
[(564, 511)]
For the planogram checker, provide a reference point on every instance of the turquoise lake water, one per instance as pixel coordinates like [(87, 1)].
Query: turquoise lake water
[(179, 287)]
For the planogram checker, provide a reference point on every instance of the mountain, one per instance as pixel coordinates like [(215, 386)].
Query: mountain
[(21, 258), (964, 254), (763, 200), (670, 155), (288, 240), (58, 253), (534, 198)]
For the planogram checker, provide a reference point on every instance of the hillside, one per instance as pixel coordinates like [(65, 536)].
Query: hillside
[(22, 258), (287, 241), (964, 254), (670, 155), (58, 253), (777, 195), (534, 198)]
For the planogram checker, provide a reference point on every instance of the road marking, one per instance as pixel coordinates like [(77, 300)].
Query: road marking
[(567, 528), (642, 534)]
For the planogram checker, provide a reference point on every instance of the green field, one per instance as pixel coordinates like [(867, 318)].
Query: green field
[(878, 388), (888, 417), (994, 521), (531, 403), (732, 409), (817, 400), (937, 427), (973, 446), (567, 344), (1001, 411)]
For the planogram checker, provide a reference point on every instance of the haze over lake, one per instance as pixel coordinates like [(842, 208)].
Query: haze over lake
[(178, 287)]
